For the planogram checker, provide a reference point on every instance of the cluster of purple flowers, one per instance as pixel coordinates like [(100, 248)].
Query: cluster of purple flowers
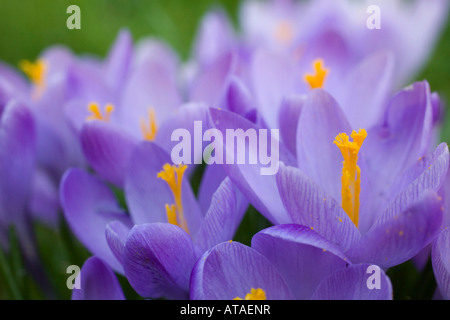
[(362, 180)]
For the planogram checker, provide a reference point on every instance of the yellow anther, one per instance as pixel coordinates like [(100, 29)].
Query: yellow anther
[(317, 79), (173, 176), (254, 294), (35, 71), (284, 32), (351, 173), (96, 113), (149, 132)]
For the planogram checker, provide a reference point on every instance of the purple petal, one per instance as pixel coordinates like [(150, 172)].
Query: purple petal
[(98, 282), (260, 190), (152, 83), (212, 177), (231, 270), (118, 62), (320, 122), (89, 205), (355, 283), (308, 205), (17, 161), (441, 262), (405, 135), (212, 82), (107, 149), (222, 219), (44, 201), (292, 248), (116, 235), (273, 76), (366, 89), (401, 238), (429, 173), (214, 37), (158, 260), (147, 195), (289, 116)]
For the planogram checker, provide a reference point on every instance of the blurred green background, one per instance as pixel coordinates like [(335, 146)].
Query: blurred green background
[(27, 27)]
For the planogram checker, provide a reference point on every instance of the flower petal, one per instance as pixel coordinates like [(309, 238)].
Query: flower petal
[(147, 195), (88, 206), (231, 270), (321, 120), (354, 283), (158, 260), (222, 219), (441, 262), (97, 282), (292, 249), (401, 238), (107, 149), (308, 205)]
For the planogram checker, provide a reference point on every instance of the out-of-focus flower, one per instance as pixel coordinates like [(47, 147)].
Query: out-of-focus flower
[(17, 163), (283, 262), (337, 30), (97, 282)]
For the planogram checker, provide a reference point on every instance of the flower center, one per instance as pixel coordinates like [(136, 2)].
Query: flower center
[(316, 79), (173, 176), (284, 32), (149, 131), (254, 294), (351, 173), (35, 71), (96, 113)]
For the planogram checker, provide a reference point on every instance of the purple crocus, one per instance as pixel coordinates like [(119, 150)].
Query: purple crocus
[(285, 262), (379, 205), (156, 242)]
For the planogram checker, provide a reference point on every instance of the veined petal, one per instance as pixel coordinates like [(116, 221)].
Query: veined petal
[(352, 283), (116, 235), (401, 238), (440, 256), (231, 270), (158, 260), (222, 219), (301, 255), (310, 206), (260, 190), (428, 173), (321, 120)]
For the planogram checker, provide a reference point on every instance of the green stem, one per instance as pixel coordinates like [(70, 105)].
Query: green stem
[(15, 292)]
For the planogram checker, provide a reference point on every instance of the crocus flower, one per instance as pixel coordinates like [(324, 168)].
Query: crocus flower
[(379, 205), (284, 262), (156, 242), (97, 282)]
